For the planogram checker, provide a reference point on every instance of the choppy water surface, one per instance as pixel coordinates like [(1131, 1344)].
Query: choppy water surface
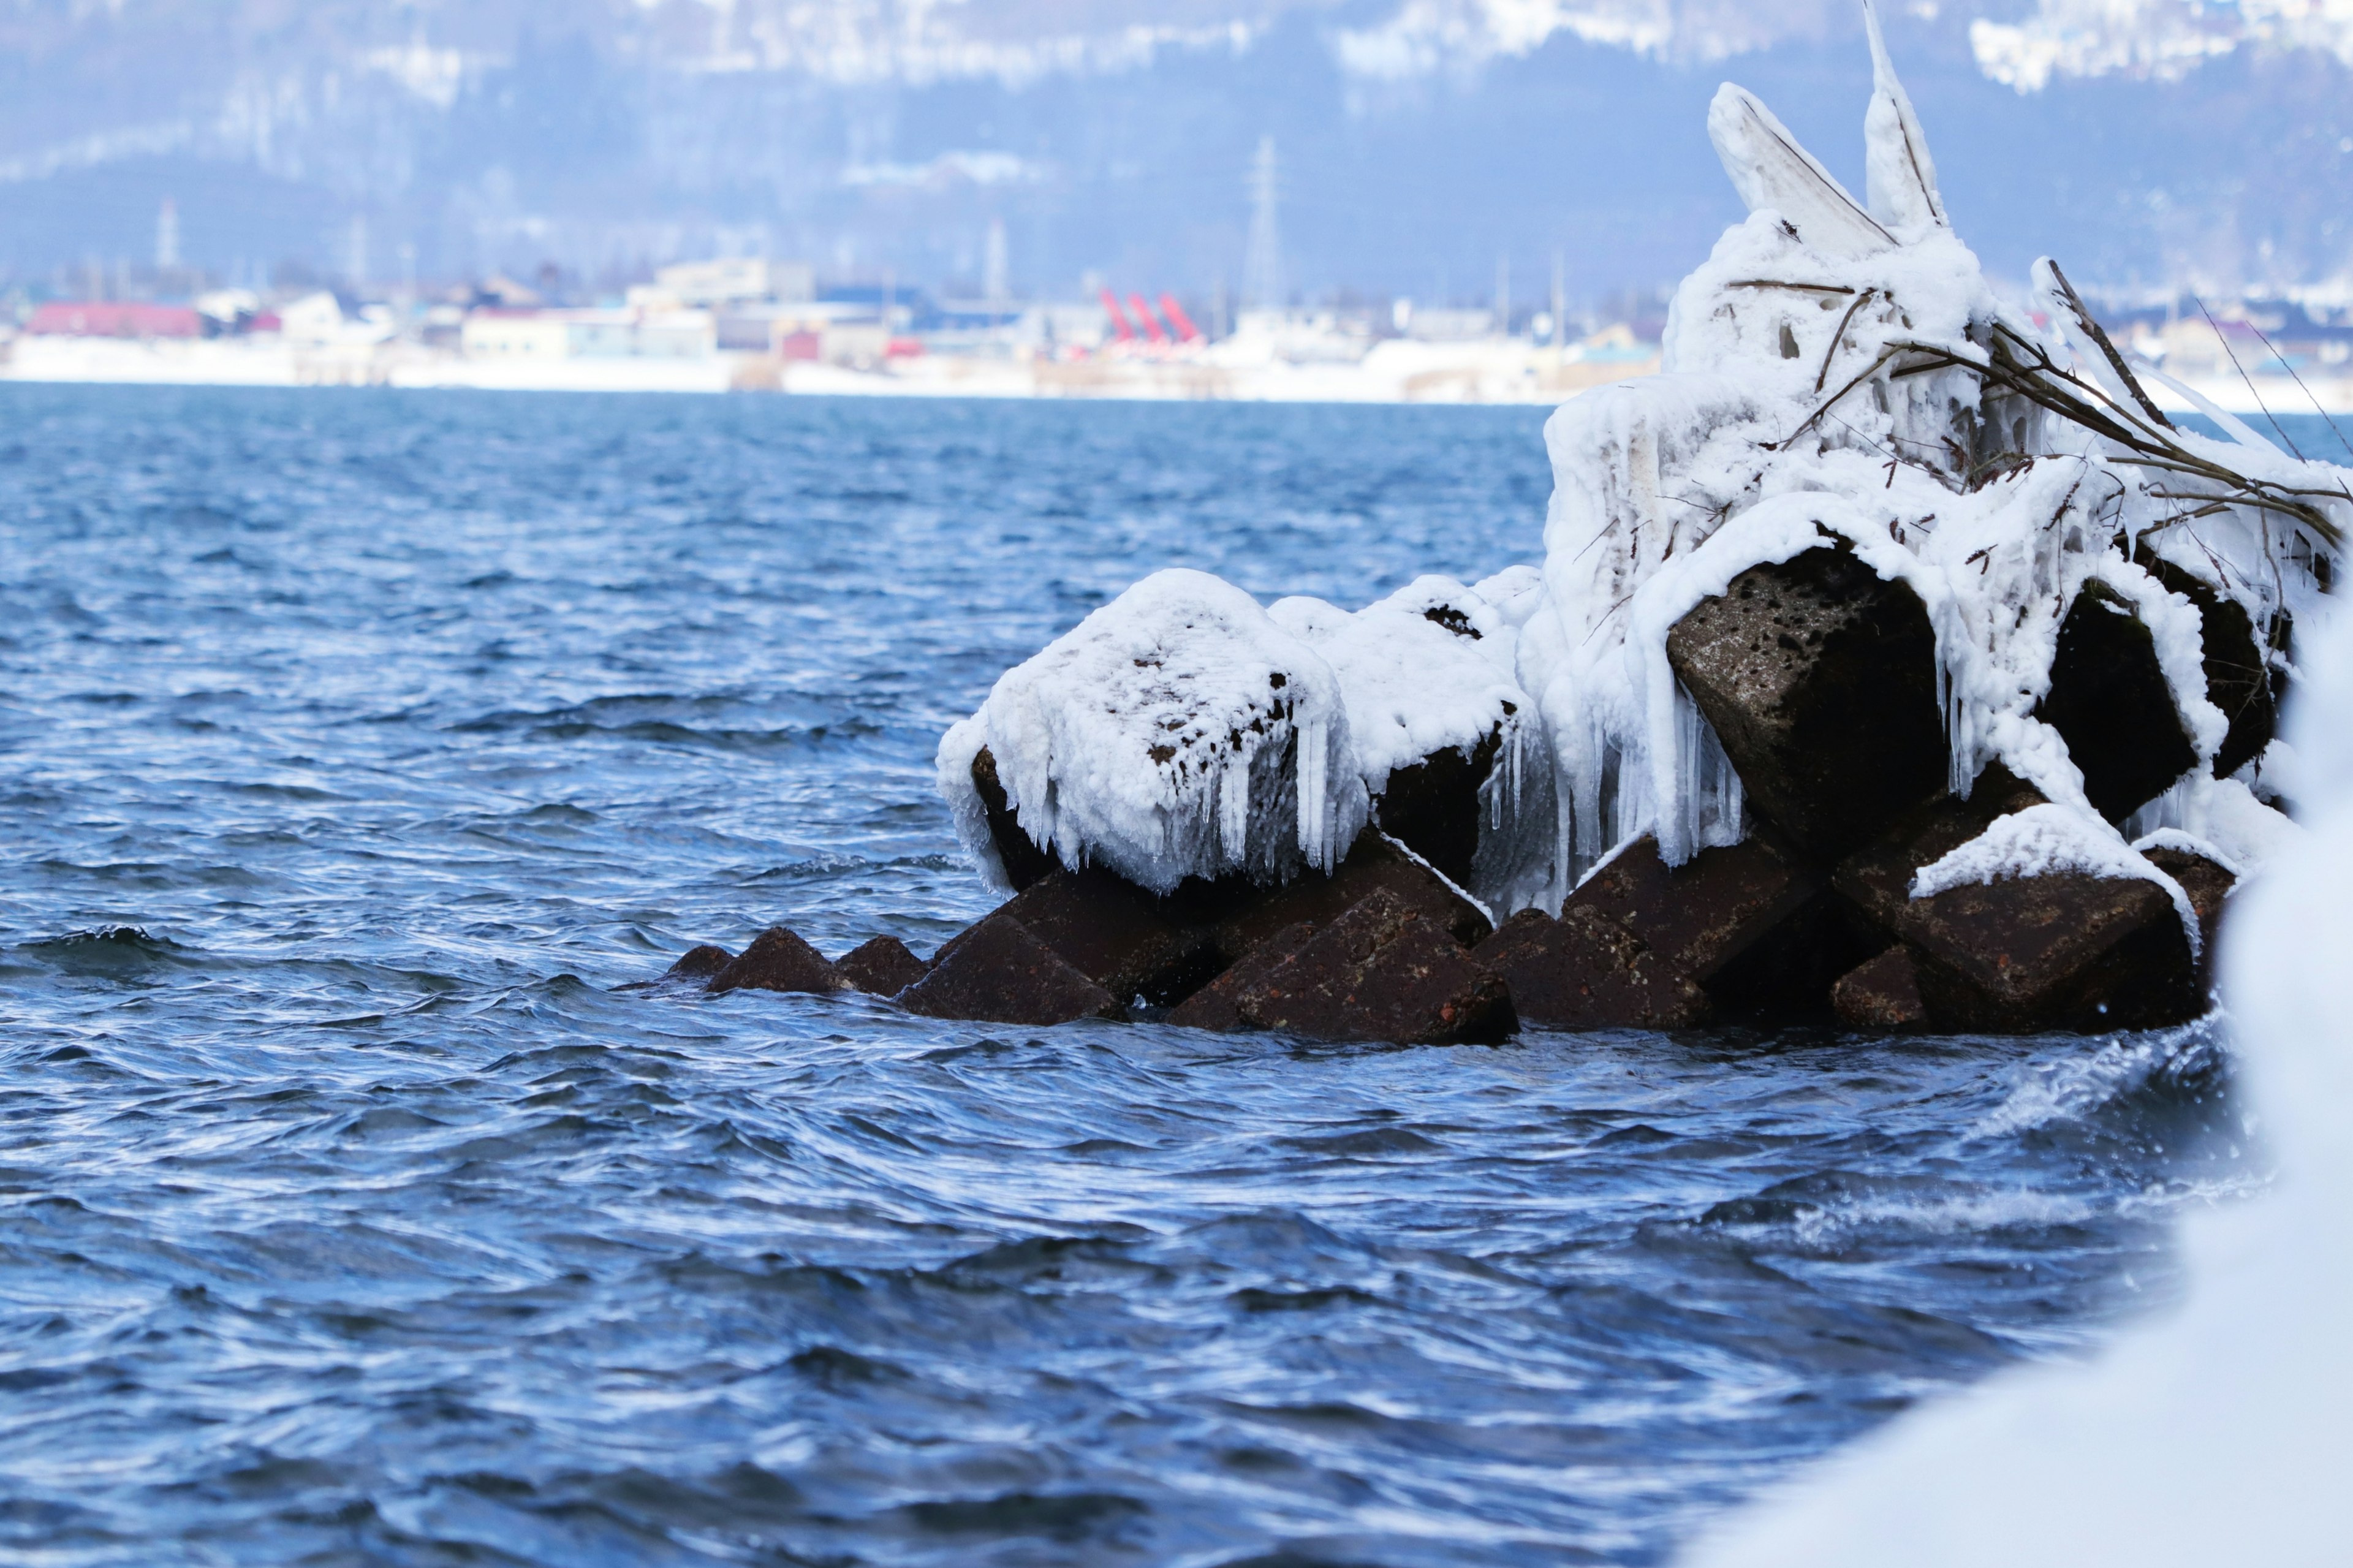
[(354, 746)]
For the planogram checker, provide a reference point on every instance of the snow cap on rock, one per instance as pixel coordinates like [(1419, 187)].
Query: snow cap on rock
[(1178, 732)]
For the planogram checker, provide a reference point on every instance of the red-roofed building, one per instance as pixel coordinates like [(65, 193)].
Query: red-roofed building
[(115, 320)]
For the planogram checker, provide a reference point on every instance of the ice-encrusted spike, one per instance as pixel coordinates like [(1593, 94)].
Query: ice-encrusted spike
[(2091, 345), (1771, 171), (1900, 176)]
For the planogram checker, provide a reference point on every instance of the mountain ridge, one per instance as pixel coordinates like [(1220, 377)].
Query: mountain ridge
[(1420, 139)]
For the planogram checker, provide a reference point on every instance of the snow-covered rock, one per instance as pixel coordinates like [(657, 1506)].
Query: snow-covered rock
[(1419, 670), (1178, 732), (1840, 377)]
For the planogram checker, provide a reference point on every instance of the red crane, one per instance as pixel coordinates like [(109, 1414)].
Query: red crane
[(1118, 321), (1144, 313), (1179, 322)]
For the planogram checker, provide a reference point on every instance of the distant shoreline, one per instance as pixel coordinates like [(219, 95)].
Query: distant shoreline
[(1507, 373)]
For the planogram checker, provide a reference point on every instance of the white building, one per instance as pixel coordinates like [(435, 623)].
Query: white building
[(503, 333)]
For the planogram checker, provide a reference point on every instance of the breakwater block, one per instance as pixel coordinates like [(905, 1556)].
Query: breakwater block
[(881, 966), (779, 959), (1820, 679), (1024, 860), (2209, 885), (1382, 970), (1586, 971), (2109, 701), (1432, 806), (1241, 915), (699, 964), (1883, 995), (2239, 680), (998, 972), (2064, 950), (1760, 932), (1116, 934)]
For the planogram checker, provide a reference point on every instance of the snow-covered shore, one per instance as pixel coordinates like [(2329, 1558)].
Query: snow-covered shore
[(1500, 371)]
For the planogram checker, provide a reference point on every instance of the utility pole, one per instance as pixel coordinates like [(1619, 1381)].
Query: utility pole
[(1263, 264), (1503, 296), (1559, 307), (995, 287)]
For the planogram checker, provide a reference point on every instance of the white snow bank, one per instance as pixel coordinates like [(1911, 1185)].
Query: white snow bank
[(2217, 1435), (1178, 732)]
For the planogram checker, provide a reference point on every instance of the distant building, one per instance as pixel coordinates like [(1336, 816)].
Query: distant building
[(115, 320), (313, 321), (498, 332), (732, 281)]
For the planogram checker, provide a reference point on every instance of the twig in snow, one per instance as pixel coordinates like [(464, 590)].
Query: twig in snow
[(2100, 340), (1846, 321), (1801, 288), (2243, 372)]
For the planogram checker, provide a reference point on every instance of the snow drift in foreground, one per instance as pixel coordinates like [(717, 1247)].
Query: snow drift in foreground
[(1839, 375), (2216, 1436)]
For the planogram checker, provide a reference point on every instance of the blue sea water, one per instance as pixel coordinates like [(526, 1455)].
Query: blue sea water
[(355, 746)]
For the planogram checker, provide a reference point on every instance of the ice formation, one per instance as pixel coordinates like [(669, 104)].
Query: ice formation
[(1838, 373), (2217, 1435), (1427, 670), (1178, 732)]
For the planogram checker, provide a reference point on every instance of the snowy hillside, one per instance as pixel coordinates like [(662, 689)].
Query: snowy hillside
[(1421, 140)]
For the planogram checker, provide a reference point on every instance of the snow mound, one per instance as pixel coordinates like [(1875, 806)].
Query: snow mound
[(1178, 732)]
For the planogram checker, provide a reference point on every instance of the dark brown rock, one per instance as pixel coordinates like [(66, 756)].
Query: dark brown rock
[(1119, 936), (999, 972), (1432, 807), (699, 962), (2023, 955), (1240, 916), (881, 966), (1585, 971), (1382, 970), (1024, 861), (2239, 677), (1217, 1004), (779, 959), (1820, 679), (2109, 702), (1878, 880), (2209, 885), (1763, 935), (1883, 993)]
